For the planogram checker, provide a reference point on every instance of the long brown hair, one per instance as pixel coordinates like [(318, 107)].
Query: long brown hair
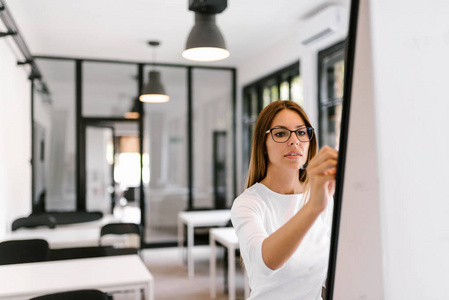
[(258, 163)]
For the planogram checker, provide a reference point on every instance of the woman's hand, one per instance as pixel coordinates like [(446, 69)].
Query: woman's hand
[(321, 171)]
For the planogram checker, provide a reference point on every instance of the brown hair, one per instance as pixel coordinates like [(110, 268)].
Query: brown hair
[(259, 160)]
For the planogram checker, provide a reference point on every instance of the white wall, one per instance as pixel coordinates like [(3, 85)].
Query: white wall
[(15, 137), (409, 45)]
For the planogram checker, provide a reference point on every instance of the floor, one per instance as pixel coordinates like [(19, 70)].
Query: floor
[(170, 275)]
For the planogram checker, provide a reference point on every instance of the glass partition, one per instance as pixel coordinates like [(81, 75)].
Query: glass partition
[(109, 89), (165, 143), (109, 166), (56, 123), (99, 168), (212, 138)]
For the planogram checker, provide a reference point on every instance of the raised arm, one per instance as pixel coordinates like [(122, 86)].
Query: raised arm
[(281, 244)]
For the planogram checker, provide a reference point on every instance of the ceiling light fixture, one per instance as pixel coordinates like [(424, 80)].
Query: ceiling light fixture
[(154, 91), (134, 112), (205, 41)]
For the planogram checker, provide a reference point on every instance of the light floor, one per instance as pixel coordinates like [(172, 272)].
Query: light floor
[(170, 275)]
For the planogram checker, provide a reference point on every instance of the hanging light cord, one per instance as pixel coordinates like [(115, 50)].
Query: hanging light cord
[(153, 45)]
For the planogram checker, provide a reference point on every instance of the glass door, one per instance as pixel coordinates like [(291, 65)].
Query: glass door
[(99, 169)]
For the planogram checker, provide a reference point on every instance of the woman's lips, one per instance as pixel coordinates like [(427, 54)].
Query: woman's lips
[(293, 155)]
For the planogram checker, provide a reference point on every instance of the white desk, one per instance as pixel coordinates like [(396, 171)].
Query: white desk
[(228, 238), (194, 219), (64, 236), (108, 274)]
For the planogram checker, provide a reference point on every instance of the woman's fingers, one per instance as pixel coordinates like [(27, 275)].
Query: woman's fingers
[(324, 154), (323, 165)]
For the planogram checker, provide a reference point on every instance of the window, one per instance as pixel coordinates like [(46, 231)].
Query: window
[(285, 84), (330, 93)]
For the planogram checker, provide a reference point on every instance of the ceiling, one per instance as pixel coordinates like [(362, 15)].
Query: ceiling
[(120, 30)]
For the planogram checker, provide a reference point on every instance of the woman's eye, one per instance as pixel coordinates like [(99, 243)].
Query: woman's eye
[(280, 134), (301, 132)]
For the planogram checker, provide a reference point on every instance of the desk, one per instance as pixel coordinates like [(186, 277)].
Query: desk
[(228, 238), (204, 218), (24, 281), (64, 236)]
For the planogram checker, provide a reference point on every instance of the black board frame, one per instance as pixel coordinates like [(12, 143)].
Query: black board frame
[(344, 130)]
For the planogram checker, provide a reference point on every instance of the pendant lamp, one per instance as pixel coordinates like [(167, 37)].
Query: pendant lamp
[(205, 41), (134, 111), (154, 91)]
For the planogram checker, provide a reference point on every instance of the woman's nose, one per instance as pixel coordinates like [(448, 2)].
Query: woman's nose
[(293, 140)]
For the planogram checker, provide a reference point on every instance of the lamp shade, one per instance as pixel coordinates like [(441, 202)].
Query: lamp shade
[(154, 91), (205, 41)]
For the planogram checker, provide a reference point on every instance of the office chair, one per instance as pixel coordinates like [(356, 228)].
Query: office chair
[(34, 221), (23, 251), (75, 295), (129, 235), (89, 252)]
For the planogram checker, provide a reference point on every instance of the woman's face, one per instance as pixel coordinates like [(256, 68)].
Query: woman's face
[(291, 155)]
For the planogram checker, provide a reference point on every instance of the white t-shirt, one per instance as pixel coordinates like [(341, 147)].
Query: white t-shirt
[(256, 214)]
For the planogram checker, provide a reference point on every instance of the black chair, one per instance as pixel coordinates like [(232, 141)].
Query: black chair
[(23, 251), (129, 231), (75, 295), (34, 221), (71, 217), (89, 252)]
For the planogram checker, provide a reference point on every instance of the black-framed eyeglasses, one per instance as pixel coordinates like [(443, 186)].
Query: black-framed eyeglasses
[(282, 135)]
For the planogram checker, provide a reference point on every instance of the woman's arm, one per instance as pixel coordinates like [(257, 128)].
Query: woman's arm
[(281, 244)]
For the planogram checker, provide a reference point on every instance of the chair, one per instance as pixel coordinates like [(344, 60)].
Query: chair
[(120, 235), (75, 295), (89, 252), (34, 221), (23, 251)]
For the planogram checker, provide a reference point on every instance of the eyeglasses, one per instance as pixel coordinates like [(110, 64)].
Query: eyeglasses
[(282, 135)]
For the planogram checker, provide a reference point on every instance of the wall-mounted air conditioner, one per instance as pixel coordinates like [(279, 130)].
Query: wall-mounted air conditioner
[(328, 21)]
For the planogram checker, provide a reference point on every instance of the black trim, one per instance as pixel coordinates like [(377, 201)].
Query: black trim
[(132, 62), (338, 197), (234, 131), (159, 245), (142, 204), (80, 140), (89, 120), (4, 34), (33, 158), (189, 137)]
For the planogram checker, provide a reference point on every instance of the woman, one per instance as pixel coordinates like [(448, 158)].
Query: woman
[(283, 218)]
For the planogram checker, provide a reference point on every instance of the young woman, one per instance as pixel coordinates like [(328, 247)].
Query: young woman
[(283, 218)]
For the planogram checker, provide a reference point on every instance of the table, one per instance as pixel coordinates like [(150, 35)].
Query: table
[(64, 236), (227, 237), (204, 218), (24, 281)]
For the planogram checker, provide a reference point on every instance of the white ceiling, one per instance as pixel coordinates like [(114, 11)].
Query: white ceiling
[(110, 29)]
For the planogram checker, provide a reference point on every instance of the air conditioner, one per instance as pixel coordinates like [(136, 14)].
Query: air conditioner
[(328, 21)]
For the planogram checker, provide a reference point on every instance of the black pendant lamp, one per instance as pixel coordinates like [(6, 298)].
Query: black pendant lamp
[(205, 41), (134, 112), (154, 91)]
